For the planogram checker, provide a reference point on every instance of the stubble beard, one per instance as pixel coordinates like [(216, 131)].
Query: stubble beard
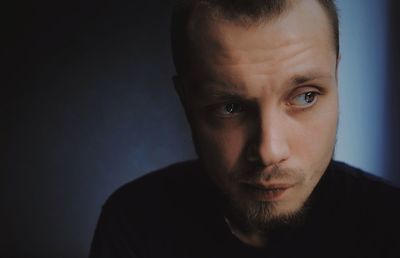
[(260, 216), (253, 216)]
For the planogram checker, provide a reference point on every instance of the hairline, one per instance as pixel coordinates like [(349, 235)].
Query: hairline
[(243, 20)]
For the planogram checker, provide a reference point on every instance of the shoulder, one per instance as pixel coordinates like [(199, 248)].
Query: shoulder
[(367, 203), (358, 211), (156, 186), (361, 189), (144, 212), (352, 181)]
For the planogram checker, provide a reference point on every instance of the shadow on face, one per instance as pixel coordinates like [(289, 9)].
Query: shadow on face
[(263, 106)]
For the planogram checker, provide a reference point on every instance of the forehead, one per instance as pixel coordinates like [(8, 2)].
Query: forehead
[(216, 41)]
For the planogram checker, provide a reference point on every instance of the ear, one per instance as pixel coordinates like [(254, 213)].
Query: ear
[(180, 90), (182, 94)]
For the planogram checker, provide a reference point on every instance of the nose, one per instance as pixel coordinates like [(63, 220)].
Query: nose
[(270, 143)]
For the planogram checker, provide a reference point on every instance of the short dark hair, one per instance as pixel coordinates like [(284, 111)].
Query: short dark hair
[(242, 11)]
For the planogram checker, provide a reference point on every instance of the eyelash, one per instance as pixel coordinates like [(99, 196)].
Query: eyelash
[(311, 93), (244, 108), (217, 108)]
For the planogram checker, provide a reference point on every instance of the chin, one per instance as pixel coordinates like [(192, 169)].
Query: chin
[(252, 215)]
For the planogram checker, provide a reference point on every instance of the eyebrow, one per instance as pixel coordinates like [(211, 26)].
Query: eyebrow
[(301, 79), (226, 95), (221, 90), (232, 91)]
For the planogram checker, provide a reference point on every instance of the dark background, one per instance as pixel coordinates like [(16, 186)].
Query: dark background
[(87, 104), (394, 91)]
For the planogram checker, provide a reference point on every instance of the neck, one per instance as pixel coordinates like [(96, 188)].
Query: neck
[(252, 238)]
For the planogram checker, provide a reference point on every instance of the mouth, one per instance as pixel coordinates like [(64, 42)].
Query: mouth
[(269, 192)]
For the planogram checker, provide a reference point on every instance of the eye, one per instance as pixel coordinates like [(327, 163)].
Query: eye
[(229, 109), (305, 99)]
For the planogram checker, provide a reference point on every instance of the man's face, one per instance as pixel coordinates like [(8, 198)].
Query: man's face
[(263, 106)]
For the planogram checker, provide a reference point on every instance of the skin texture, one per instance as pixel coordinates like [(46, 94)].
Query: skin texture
[(262, 102)]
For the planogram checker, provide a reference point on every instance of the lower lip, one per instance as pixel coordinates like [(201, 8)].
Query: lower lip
[(266, 194)]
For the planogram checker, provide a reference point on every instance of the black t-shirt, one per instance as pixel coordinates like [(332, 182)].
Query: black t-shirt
[(176, 212)]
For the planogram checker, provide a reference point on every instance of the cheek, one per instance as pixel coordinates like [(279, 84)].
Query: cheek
[(325, 126), (221, 148), (316, 142), (320, 133)]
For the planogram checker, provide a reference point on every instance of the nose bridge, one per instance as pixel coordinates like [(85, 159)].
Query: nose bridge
[(273, 145)]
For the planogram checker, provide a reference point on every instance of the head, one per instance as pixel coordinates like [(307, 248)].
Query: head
[(258, 82)]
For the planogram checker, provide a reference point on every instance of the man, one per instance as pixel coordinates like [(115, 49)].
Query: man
[(258, 82)]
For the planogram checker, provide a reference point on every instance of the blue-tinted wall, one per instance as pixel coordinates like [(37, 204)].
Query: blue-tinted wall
[(89, 105), (363, 82)]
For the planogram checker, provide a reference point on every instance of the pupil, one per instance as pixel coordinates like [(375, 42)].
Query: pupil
[(309, 97), (230, 108)]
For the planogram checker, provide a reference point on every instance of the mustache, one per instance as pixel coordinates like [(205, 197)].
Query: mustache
[(258, 174)]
